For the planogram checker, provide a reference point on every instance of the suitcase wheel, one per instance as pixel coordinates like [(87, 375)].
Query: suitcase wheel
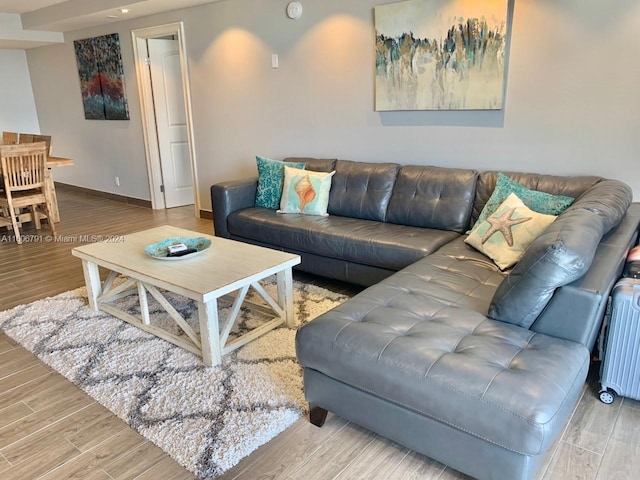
[(607, 396)]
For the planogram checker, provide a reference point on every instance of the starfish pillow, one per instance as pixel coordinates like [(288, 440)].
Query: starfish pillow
[(505, 235)]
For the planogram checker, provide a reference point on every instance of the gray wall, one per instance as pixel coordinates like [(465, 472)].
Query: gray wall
[(571, 106), (101, 149), (17, 107)]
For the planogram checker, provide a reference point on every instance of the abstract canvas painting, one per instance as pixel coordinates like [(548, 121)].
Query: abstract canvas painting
[(440, 55), (101, 78)]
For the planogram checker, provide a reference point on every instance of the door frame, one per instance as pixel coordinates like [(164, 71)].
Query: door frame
[(149, 131)]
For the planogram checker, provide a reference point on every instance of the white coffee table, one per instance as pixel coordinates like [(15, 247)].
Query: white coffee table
[(225, 267)]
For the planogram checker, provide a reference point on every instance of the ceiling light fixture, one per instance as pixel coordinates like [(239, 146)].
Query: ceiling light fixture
[(124, 10), (112, 16), (294, 10)]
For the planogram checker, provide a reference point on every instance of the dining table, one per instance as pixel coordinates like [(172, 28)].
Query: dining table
[(52, 162), (49, 185)]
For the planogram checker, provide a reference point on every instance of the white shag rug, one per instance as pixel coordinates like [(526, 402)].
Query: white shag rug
[(206, 418)]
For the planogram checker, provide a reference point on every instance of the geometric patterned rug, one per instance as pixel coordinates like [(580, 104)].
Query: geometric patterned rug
[(206, 418)]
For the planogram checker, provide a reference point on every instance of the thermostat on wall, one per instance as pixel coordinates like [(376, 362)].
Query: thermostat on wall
[(294, 10)]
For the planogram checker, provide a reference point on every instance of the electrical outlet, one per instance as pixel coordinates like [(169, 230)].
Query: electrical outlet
[(117, 181)]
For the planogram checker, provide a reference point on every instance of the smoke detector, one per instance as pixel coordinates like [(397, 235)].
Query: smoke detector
[(294, 10)]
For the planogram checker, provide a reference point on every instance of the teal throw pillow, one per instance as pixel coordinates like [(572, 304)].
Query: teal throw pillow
[(305, 192), (270, 181), (540, 202)]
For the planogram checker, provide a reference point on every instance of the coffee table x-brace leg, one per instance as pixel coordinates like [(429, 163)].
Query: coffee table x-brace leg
[(215, 346), (212, 341)]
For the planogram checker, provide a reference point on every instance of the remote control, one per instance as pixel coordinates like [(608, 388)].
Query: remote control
[(182, 252)]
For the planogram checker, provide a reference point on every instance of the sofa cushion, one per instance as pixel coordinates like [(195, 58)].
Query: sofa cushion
[(455, 275), (315, 164), (541, 202), (362, 190), (270, 181), (495, 381), (305, 192), (506, 233), (360, 241), (562, 254), (433, 197), (556, 185)]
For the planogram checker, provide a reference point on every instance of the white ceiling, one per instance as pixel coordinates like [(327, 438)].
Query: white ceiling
[(38, 17), (21, 6)]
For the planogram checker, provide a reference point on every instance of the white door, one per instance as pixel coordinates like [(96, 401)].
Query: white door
[(171, 122)]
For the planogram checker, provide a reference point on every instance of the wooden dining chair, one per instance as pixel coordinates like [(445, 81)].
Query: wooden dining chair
[(42, 138), (9, 138), (23, 172), (33, 138), (25, 138)]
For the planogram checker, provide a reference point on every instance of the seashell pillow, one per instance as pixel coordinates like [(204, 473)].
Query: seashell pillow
[(305, 192)]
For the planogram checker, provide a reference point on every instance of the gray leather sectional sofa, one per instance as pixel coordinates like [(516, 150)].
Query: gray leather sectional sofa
[(444, 353)]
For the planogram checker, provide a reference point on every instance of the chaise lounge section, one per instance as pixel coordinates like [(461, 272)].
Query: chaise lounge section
[(445, 353)]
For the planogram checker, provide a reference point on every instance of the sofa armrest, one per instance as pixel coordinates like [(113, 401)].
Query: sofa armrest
[(576, 310), (228, 197)]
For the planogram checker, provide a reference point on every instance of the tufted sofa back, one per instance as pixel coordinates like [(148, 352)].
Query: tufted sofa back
[(315, 164), (433, 197), (562, 254), (556, 185), (418, 196), (362, 190)]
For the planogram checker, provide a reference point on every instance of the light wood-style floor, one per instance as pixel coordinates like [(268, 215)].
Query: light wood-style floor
[(50, 429)]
